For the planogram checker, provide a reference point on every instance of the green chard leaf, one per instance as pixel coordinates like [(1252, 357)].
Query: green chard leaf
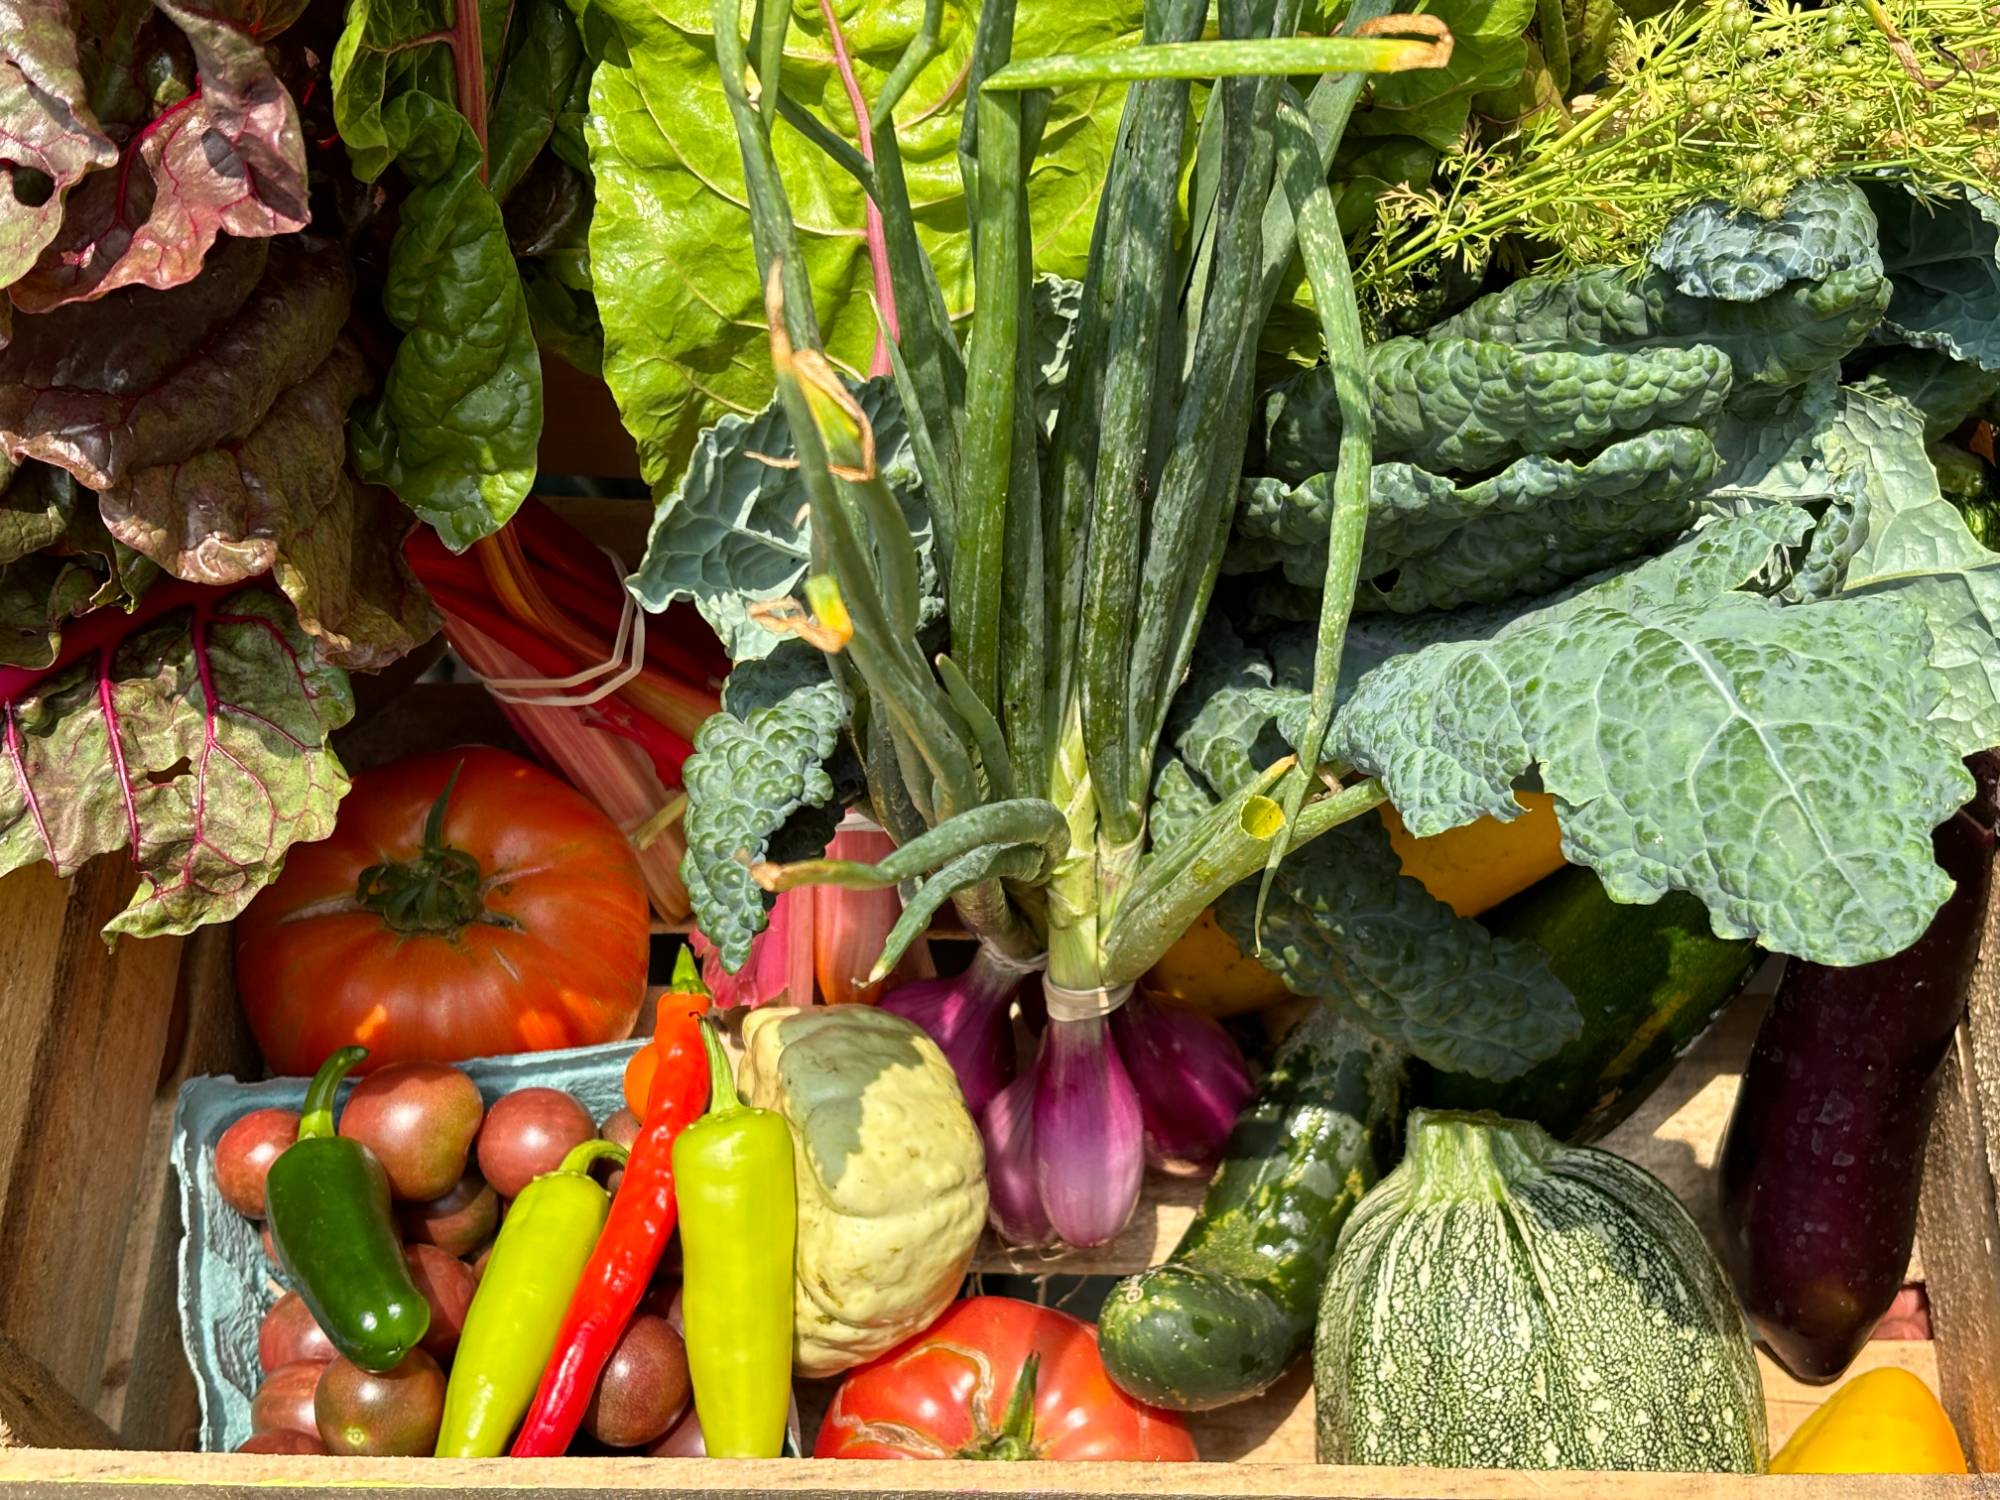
[(1778, 762), (198, 743), (684, 322), (732, 534), (747, 776), (456, 427), (1943, 256), (36, 503), (537, 81), (1433, 104)]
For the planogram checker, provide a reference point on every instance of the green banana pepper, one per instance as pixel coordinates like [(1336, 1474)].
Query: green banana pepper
[(517, 1313), (739, 1223), (327, 1204)]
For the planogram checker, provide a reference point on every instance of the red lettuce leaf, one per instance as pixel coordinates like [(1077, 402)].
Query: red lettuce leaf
[(227, 158), (197, 742), (279, 499), (49, 129), (144, 377)]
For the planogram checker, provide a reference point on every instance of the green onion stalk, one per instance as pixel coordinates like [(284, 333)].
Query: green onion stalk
[(1015, 767)]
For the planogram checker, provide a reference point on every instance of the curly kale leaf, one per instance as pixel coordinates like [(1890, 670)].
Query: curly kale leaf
[(1542, 521), (733, 534), (747, 776), (1916, 547), (1945, 390), (1343, 922), (1778, 762), (1943, 256), (1465, 404), (1716, 250)]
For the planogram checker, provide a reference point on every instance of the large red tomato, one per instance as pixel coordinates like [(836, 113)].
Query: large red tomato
[(514, 922), (996, 1378)]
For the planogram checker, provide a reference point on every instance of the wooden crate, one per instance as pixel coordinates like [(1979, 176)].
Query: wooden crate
[(94, 1389)]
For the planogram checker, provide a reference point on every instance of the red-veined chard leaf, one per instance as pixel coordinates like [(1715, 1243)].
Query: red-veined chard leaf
[(197, 742), (142, 377), (50, 129), (227, 157)]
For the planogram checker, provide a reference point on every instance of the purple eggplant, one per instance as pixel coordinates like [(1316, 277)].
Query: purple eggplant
[(1825, 1150)]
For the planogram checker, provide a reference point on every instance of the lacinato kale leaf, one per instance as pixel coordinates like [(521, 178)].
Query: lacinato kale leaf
[(1774, 344), (1715, 250), (1780, 762), (1465, 404), (1342, 921), (1433, 543)]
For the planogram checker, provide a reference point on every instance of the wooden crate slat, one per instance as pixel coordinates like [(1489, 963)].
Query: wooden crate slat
[(1959, 1220), (147, 1393), (1277, 1427), (86, 1028), (28, 1475), (35, 1410)]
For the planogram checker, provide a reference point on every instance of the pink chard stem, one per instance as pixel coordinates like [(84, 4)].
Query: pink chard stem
[(878, 242)]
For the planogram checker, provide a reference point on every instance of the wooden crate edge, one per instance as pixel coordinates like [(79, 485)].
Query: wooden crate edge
[(26, 1474)]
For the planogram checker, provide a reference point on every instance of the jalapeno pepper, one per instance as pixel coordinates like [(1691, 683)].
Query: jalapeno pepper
[(739, 1224), (327, 1204), (517, 1312), (642, 1219)]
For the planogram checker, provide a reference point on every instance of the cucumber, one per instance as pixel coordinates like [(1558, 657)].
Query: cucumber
[(1648, 980), (1222, 1319)]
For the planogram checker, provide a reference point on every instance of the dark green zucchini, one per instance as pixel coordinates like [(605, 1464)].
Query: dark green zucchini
[(1648, 981), (1235, 1306)]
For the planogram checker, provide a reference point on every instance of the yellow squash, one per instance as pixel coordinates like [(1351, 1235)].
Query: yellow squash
[(1884, 1422), (1474, 868), (1470, 869)]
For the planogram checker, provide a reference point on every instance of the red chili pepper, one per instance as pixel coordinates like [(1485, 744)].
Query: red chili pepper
[(629, 1249)]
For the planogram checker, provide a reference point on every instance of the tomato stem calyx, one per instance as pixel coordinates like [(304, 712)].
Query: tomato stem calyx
[(436, 892), (1015, 1438)]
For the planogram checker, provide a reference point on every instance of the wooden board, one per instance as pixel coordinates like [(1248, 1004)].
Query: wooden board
[(71, 1476), (85, 1030), (1959, 1220)]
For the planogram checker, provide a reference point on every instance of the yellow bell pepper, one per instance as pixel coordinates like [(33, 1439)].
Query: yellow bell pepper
[(1884, 1422)]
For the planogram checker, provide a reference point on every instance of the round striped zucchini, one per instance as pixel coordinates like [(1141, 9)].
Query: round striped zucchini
[(1504, 1301)]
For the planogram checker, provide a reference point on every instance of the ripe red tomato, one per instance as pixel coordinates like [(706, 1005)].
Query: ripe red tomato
[(956, 1391), (516, 922)]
